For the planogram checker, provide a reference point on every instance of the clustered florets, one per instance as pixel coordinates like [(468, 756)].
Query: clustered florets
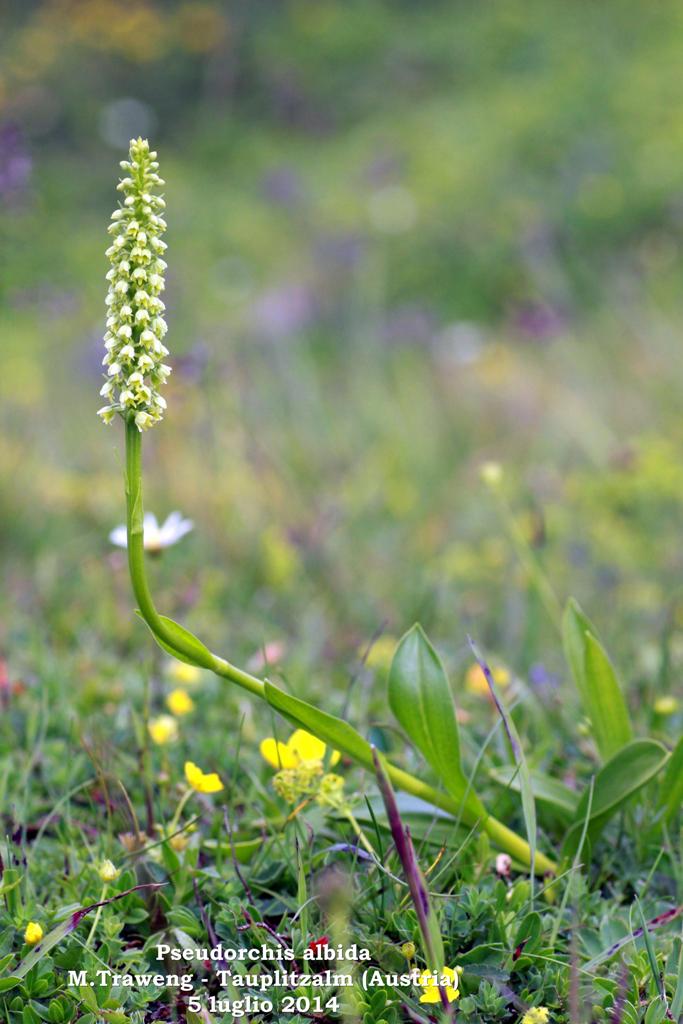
[(135, 323)]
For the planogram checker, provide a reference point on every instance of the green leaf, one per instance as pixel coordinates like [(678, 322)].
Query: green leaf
[(546, 790), (427, 919), (529, 932), (650, 949), (8, 983), (628, 771), (421, 700), (677, 1003), (193, 650), (596, 681), (633, 767), (517, 751), (333, 731), (672, 784)]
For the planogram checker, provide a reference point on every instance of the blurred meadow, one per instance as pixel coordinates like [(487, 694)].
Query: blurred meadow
[(401, 242), (404, 241)]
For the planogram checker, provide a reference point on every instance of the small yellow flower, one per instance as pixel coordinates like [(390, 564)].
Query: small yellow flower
[(293, 784), (475, 680), (491, 473), (300, 749), (200, 782), (450, 979), (178, 842), (33, 933), (331, 791), (381, 653), (536, 1015), (182, 673), (163, 730), (666, 705), (408, 950), (108, 872), (179, 702)]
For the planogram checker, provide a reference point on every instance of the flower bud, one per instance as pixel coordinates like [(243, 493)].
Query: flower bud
[(108, 872)]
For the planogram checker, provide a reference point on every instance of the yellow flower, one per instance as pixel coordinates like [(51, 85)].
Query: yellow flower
[(300, 749), (491, 473), (163, 730), (408, 950), (536, 1015), (666, 705), (179, 702), (381, 653), (201, 783), (449, 976), (182, 673), (475, 680), (294, 783), (33, 933)]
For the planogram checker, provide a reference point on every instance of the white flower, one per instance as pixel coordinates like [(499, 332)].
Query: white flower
[(155, 537), (134, 328)]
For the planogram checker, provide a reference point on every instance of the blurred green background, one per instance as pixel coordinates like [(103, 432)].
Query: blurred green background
[(403, 239)]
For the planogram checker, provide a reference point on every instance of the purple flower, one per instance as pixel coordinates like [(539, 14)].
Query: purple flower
[(542, 679), (15, 163), (281, 312), (282, 187), (539, 321)]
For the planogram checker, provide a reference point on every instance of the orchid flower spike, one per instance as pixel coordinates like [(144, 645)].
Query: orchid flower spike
[(135, 352)]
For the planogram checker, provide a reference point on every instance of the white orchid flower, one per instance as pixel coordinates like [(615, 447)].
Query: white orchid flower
[(156, 537)]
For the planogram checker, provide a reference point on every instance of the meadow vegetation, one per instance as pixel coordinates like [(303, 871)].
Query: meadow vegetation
[(424, 307)]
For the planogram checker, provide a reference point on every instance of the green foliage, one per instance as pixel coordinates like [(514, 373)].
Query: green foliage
[(636, 764), (596, 682), (421, 700)]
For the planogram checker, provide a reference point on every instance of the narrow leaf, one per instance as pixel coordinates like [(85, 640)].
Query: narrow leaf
[(546, 790), (333, 731), (427, 920), (421, 700), (656, 922), (596, 682), (633, 767), (526, 790), (607, 708), (677, 1003), (672, 784), (627, 772)]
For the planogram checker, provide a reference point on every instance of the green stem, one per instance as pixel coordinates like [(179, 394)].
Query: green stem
[(96, 920), (499, 833), (136, 566), (175, 820)]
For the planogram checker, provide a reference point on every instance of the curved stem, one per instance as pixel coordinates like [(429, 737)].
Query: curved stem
[(136, 566), (499, 833)]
